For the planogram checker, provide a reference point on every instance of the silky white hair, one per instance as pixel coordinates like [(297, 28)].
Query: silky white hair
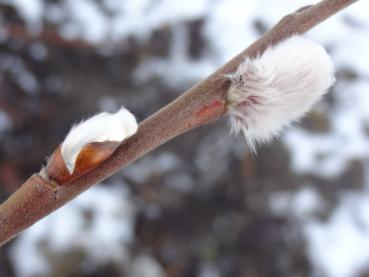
[(101, 127), (278, 87)]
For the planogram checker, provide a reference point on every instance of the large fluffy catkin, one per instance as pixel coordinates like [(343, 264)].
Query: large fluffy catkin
[(278, 87)]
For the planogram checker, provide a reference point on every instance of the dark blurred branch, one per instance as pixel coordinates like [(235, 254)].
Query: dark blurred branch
[(45, 36), (202, 104)]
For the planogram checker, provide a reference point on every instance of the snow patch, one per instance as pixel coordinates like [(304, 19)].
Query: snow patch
[(5, 122), (99, 221), (340, 246)]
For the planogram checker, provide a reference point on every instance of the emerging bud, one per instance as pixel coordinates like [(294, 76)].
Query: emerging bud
[(278, 87), (103, 127)]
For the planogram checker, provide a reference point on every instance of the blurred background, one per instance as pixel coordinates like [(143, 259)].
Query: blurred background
[(200, 205)]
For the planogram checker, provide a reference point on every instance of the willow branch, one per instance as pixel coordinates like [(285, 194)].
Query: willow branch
[(202, 104)]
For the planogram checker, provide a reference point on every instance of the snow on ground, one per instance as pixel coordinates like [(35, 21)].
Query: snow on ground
[(302, 204), (5, 122), (337, 247), (209, 270), (145, 266), (104, 215)]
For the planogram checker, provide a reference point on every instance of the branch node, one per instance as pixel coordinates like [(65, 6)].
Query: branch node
[(52, 184)]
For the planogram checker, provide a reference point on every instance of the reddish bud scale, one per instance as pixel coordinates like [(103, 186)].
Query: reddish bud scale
[(208, 111), (88, 158)]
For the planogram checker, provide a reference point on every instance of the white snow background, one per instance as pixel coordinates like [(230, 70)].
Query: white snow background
[(338, 247)]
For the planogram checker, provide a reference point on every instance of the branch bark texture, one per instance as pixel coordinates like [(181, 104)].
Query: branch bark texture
[(202, 104)]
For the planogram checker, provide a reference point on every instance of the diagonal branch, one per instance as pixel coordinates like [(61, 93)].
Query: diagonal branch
[(202, 104)]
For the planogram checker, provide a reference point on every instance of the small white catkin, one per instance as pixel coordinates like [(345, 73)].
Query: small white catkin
[(101, 127), (278, 87)]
